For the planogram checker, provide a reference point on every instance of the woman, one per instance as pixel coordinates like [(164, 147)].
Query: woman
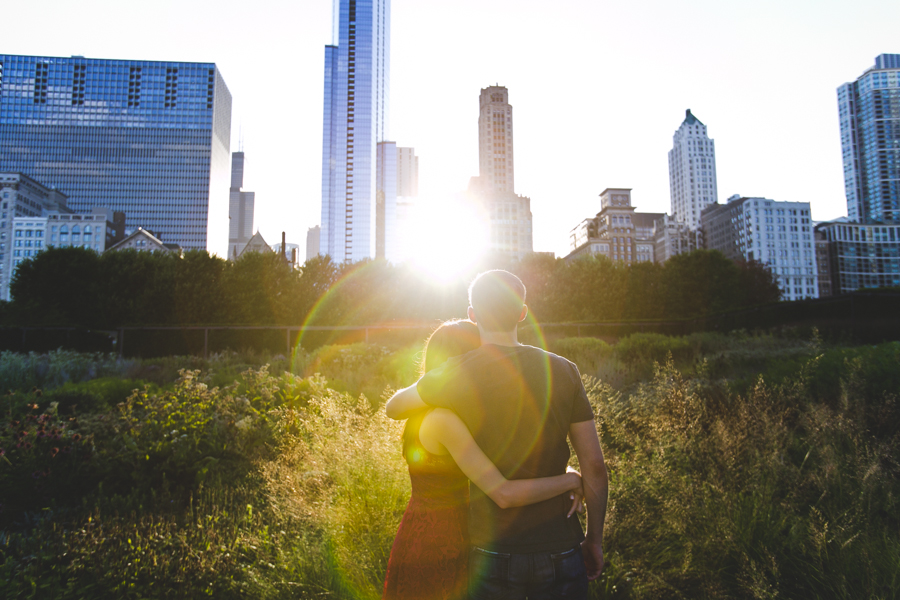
[(429, 558)]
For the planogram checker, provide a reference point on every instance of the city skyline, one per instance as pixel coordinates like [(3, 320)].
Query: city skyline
[(763, 76)]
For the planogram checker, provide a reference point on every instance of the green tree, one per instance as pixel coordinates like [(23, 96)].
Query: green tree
[(317, 276), (593, 288), (700, 283), (59, 287), (137, 287), (197, 289), (259, 287), (645, 297), (758, 284), (540, 273)]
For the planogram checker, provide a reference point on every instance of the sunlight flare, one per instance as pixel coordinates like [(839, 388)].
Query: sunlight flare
[(445, 238)]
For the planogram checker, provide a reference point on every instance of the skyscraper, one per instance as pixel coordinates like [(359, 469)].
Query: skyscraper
[(495, 140), (692, 171), (407, 173), (357, 81), (397, 185), (386, 201), (869, 110), (508, 214), (147, 138), (241, 205)]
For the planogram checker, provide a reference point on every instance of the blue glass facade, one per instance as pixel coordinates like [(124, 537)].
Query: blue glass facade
[(869, 111), (357, 80), (147, 138), (860, 255)]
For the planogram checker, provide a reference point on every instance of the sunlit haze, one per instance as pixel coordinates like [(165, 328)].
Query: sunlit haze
[(444, 244), (598, 89)]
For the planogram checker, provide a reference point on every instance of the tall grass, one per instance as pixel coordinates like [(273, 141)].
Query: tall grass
[(741, 466), (759, 496)]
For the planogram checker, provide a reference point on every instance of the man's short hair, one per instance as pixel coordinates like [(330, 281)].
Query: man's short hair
[(497, 297)]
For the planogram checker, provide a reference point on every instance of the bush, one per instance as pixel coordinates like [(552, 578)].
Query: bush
[(588, 353), (361, 368), (53, 369), (768, 494)]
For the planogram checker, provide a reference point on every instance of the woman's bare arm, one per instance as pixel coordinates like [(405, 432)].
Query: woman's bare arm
[(446, 429), (404, 403)]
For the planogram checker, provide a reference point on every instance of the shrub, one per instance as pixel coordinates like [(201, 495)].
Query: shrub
[(588, 353), (360, 368), (763, 495), (53, 369)]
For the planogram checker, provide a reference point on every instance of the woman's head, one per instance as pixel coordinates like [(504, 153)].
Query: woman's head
[(452, 338)]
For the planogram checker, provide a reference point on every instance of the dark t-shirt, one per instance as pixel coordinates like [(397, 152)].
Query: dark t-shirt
[(518, 403)]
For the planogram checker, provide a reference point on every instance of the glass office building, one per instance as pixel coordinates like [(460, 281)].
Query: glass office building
[(357, 80), (859, 255), (147, 138), (869, 110)]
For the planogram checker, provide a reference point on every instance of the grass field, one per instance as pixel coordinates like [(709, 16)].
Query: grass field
[(741, 466)]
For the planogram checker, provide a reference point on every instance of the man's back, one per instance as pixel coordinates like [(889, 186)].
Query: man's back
[(518, 402)]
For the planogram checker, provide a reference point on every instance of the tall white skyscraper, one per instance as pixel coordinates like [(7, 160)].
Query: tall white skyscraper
[(357, 82), (508, 215), (692, 171), (495, 140)]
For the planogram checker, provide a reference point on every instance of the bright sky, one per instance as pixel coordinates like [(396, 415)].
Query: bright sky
[(597, 88)]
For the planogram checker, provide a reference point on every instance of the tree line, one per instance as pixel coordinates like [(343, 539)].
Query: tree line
[(77, 287)]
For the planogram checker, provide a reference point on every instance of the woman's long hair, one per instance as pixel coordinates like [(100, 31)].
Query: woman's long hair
[(451, 338)]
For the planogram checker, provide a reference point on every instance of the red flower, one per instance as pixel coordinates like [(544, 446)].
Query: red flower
[(53, 452)]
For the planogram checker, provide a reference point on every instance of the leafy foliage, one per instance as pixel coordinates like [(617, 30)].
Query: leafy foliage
[(138, 288)]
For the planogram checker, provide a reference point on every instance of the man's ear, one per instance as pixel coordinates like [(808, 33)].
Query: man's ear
[(524, 313), (471, 313)]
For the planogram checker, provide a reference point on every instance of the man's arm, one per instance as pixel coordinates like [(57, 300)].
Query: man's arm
[(404, 403), (596, 489)]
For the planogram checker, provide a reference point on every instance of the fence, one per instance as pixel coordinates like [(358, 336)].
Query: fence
[(860, 317)]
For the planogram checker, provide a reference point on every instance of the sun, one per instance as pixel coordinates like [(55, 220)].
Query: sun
[(446, 238)]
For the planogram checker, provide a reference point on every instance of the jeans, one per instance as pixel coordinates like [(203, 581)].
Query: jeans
[(536, 576)]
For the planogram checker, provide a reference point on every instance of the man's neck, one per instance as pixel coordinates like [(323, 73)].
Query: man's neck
[(500, 338)]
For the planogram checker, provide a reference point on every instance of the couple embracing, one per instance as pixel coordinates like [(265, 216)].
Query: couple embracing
[(497, 413)]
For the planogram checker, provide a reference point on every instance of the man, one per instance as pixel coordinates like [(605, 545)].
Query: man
[(520, 403)]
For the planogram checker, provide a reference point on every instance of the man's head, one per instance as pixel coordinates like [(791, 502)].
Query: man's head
[(498, 300)]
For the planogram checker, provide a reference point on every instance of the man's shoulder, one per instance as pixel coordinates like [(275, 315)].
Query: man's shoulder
[(554, 360)]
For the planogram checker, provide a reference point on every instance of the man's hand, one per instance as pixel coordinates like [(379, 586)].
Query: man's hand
[(593, 559)]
